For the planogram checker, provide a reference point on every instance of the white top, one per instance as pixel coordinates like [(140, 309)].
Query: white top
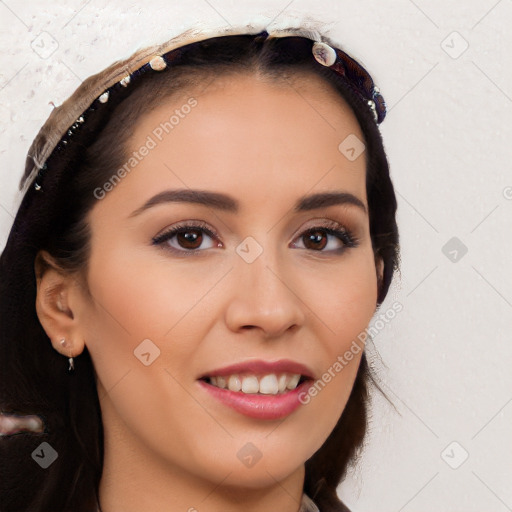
[(308, 505)]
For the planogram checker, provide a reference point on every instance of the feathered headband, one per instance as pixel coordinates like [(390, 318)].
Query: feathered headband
[(79, 114)]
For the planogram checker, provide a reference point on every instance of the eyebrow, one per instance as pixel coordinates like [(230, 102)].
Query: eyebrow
[(228, 204)]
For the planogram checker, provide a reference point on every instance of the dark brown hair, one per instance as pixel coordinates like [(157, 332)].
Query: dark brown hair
[(34, 379)]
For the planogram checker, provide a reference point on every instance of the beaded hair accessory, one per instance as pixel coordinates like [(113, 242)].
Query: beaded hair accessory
[(78, 118)]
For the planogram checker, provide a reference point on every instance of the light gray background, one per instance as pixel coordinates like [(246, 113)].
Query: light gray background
[(446, 357)]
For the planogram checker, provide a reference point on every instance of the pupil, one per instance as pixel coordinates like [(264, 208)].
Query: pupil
[(316, 238), (189, 238)]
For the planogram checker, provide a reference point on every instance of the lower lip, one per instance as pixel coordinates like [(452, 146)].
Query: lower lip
[(263, 407)]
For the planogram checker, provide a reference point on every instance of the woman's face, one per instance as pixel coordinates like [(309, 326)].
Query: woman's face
[(263, 276)]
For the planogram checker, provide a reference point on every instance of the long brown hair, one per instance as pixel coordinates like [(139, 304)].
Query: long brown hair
[(34, 379)]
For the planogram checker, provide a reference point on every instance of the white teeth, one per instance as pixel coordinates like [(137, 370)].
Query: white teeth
[(282, 383), (292, 383), (234, 383), (269, 384), (250, 384)]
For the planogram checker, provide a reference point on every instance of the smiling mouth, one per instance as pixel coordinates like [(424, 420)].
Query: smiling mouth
[(252, 384)]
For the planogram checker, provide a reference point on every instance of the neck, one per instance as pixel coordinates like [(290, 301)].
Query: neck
[(135, 478)]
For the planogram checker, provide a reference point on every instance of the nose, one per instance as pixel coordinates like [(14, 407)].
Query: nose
[(263, 298)]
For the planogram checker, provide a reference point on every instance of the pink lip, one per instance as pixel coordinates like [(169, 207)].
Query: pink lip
[(260, 367), (263, 407)]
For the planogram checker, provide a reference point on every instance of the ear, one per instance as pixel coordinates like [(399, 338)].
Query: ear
[(57, 301)]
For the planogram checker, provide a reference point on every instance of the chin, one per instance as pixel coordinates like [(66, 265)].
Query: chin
[(260, 476)]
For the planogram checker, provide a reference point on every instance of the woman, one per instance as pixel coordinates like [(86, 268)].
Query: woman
[(207, 228)]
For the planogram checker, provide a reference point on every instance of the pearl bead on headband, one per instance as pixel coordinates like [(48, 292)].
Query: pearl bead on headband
[(159, 58), (327, 56)]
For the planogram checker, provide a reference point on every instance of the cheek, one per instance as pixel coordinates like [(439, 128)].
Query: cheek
[(139, 297), (344, 299), (343, 304), (148, 295)]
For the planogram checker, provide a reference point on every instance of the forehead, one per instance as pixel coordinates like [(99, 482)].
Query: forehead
[(251, 137)]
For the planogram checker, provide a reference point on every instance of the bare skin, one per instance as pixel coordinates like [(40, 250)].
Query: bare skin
[(169, 446)]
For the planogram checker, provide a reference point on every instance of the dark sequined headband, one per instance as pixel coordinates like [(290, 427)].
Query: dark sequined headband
[(353, 73)]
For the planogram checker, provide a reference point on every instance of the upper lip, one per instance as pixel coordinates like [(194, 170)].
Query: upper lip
[(259, 366)]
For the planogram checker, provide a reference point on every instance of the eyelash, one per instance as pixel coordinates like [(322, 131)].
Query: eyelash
[(329, 227)]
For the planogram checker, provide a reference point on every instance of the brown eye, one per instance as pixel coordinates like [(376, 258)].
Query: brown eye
[(315, 240), (332, 238), (189, 238)]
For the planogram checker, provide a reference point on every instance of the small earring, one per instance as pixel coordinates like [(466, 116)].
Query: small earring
[(71, 368)]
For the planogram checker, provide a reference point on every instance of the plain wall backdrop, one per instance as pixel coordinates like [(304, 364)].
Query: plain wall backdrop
[(445, 71)]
